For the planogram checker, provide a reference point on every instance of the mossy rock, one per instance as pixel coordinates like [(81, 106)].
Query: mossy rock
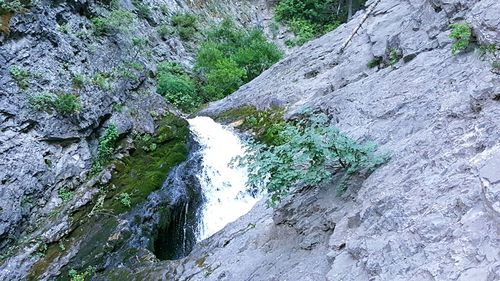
[(139, 175), (265, 125), (145, 171)]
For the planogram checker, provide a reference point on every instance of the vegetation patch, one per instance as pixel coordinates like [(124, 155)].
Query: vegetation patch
[(136, 176), (118, 20), (65, 195), (184, 24), (462, 34), (374, 62), (306, 152), (177, 87), (145, 170), (20, 75), (232, 56), (264, 125), (14, 6), (64, 103), (142, 10), (308, 19), (107, 144)]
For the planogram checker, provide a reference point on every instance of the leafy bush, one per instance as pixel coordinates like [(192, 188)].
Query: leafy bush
[(107, 144), (65, 104), (374, 62), (78, 81), (117, 21), (101, 80), (224, 78), (177, 87), (393, 56), (306, 153), (232, 56), (164, 30), (185, 25), (308, 19), (75, 276), (65, 195), (496, 64), (462, 34), (20, 75), (42, 102), (125, 199)]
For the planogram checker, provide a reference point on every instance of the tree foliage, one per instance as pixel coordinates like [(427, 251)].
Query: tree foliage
[(306, 153), (177, 86), (232, 56), (308, 19)]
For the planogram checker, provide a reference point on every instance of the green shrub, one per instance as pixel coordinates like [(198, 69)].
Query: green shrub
[(487, 49), (75, 276), (107, 144), (308, 19), (374, 62), (462, 34), (232, 56), (393, 56), (78, 81), (306, 153), (185, 25), (65, 195), (496, 65), (42, 102), (20, 75), (101, 80), (224, 78), (125, 199), (177, 87), (65, 104), (117, 21), (164, 30)]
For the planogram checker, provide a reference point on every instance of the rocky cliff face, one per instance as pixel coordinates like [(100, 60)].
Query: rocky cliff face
[(430, 213), (47, 156)]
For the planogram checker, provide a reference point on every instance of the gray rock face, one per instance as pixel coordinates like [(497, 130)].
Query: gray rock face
[(431, 212), (43, 152)]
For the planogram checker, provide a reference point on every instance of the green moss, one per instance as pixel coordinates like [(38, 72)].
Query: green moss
[(137, 175), (146, 170)]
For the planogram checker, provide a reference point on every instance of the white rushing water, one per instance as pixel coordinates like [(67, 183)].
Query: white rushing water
[(223, 186)]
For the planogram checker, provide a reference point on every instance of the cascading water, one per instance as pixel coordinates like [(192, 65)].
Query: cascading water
[(223, 186), (199, 197)]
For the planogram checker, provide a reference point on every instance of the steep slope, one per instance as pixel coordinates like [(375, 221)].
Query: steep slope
[(431, 212)]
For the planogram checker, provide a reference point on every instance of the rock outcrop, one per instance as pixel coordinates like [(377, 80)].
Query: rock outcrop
[(44, 154), (431, 213)]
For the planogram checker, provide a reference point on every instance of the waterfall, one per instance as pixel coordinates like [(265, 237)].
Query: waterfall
[(223, 187)]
